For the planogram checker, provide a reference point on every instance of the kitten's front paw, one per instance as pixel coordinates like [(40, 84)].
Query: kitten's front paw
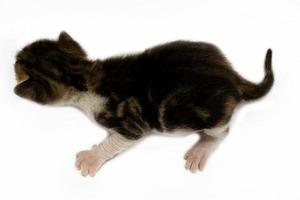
[(196, 158), (88, 162)]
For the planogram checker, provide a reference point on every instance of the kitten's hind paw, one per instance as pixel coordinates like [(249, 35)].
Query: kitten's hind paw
[(196, 158)]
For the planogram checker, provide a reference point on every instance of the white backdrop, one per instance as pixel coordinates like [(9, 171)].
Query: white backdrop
[(258, 160)]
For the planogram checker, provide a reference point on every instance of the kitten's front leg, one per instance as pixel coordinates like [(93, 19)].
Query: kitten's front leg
[(90, 161)]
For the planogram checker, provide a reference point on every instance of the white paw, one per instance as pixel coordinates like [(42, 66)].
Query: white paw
[(196, 158), (89, 162)]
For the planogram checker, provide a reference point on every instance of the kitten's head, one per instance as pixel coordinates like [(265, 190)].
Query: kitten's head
[(47, 69)]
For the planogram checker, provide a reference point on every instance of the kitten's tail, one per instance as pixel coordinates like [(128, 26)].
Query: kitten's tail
[(252, 91)]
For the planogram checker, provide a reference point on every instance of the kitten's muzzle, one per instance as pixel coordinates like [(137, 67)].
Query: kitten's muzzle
[(21, 74)]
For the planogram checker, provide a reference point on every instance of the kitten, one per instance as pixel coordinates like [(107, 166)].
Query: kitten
[(178, 85)]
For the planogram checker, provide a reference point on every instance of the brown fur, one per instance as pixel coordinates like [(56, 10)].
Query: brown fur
[(48, 70), (177, 85)]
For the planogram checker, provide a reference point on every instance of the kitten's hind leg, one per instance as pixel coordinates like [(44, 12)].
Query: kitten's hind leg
[(197, 156), (90, 161)]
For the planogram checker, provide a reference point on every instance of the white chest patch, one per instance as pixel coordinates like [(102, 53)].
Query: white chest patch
[(88, 102)]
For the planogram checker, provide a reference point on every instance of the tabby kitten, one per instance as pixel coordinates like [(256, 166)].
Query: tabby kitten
[(180, 85)]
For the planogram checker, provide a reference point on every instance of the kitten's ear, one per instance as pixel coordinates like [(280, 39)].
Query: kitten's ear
[(64, 37), (65, 40)]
